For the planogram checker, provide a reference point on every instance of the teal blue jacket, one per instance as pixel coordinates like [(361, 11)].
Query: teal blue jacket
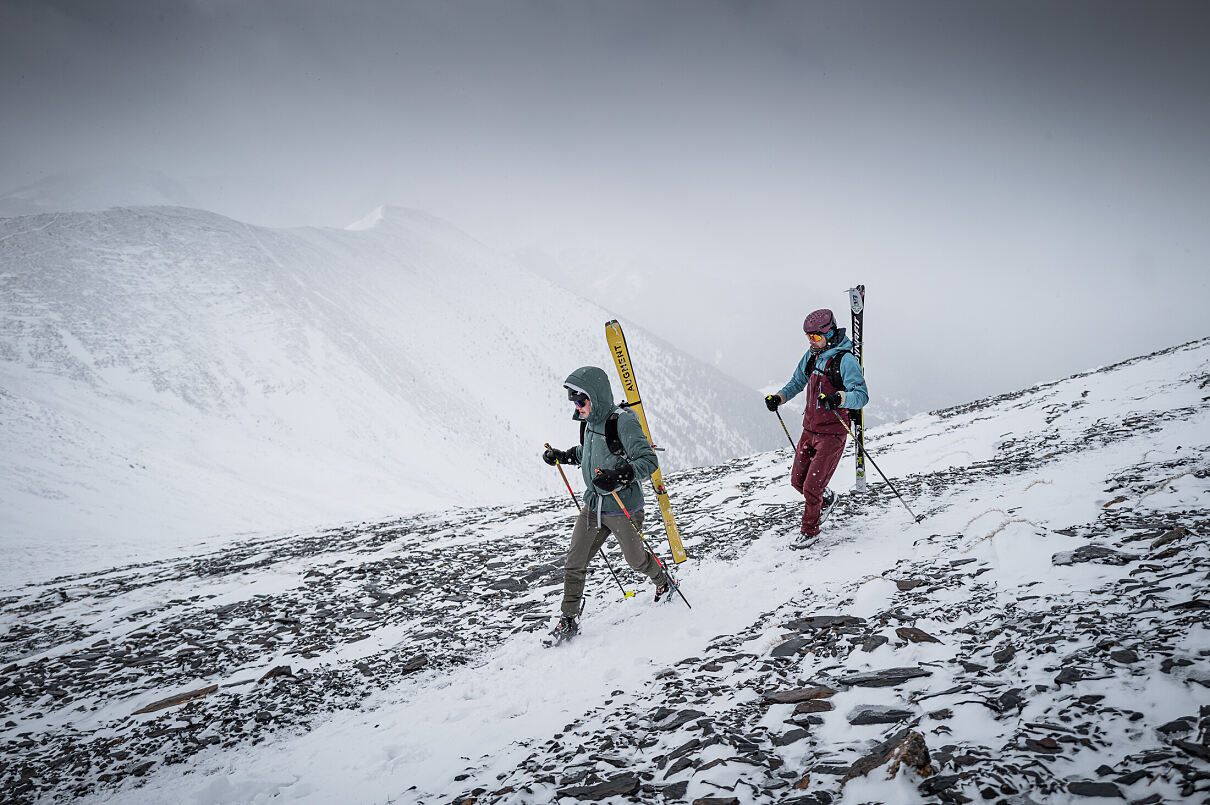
[(856, 393)]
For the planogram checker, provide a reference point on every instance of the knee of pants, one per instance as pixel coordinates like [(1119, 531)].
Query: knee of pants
[(638, 562)]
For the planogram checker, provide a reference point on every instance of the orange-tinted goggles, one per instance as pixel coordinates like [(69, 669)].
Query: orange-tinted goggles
[(816, 337)]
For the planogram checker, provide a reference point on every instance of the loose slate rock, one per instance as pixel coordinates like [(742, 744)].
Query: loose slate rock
[(914, 635), (873, 641), (1089, 788), (885, 678), (180, 698), (1092, 553), (1010, 699), (1178, 727), (414, 663), (906, 747), (790, 647), (792, 736), (1069, 675), (276, 671), (941, 782), (680, 719), (800, 695), (622, 785), (824, 622), (877, 714)]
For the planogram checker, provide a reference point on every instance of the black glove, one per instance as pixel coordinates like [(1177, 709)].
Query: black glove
[(772, 401), (609, 480), (831, 401), (551, 456)]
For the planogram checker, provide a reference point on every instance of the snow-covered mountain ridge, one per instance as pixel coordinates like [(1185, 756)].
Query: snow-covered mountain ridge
[(1039, 638), (168, 374)]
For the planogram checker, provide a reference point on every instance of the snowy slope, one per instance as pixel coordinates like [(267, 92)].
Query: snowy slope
[(1040, 637), (168, 374)]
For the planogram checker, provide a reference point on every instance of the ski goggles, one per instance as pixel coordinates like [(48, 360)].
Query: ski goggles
[(818, 337), (579, 398)]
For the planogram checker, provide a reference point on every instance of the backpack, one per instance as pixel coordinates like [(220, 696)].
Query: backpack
[(612, 440), (832, 370)]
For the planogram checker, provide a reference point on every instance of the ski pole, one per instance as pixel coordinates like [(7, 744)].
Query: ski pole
[(622, 505), (787, 430), (861, 449), (625, 593)]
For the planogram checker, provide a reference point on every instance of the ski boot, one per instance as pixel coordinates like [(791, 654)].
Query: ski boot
[(829, 502), (568, 628), (664, 591)]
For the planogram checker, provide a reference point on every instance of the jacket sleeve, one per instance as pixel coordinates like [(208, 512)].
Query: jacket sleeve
[(798, 382), (577, 450), (638, 449), (856, 393)]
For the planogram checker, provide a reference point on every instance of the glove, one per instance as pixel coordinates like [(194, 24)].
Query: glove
[(772, 401), (832, 401), (551, 456), (610, 480)]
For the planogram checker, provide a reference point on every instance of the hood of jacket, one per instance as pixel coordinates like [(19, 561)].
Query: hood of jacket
[(592, 381)]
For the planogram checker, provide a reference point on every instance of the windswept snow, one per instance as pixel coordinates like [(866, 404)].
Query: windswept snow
[(1041, 635), (169, 375)]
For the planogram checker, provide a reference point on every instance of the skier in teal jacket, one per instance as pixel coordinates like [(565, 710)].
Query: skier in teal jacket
[(835, 386), (604, 472)]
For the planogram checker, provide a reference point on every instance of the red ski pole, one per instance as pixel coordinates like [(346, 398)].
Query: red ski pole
[(625, 593), (663, 567)]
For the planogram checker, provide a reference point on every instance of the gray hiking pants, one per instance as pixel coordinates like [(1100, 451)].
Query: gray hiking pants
[(587, 538)]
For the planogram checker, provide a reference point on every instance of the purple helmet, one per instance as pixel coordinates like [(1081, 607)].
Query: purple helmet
[(821, 321)]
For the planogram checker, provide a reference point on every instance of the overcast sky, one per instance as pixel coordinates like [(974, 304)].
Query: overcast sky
[(1023, 186)]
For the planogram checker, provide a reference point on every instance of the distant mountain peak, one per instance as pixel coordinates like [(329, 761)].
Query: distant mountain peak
[(95, 189)]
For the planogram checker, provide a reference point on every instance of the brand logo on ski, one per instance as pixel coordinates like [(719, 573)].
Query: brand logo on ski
[(623, 362), (621, 358)]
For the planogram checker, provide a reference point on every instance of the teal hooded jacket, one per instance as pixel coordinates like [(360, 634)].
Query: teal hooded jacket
[(594, 454)]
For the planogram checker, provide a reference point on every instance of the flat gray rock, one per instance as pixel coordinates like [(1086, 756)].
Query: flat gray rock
[(877, 714), (1092, 553), (886, 678)]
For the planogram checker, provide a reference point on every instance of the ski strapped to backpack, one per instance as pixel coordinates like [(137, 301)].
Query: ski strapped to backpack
[(857, 306), (621, 358)]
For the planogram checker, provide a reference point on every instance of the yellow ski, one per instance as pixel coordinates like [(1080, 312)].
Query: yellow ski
[(621, 357)]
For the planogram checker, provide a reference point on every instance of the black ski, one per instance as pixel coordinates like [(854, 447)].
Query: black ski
[(857, 306)]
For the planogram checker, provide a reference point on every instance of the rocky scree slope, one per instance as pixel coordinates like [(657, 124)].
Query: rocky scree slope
[(1040, 637)]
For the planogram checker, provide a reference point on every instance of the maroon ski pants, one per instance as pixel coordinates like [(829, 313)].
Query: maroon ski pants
[(815, 460)]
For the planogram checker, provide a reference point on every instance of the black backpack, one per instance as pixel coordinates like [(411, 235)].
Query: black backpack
[(612, 440), (832, 370)]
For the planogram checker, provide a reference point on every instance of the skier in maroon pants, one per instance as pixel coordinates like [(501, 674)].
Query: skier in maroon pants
[(835, 386)]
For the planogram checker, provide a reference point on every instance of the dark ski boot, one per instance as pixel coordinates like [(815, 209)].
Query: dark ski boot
[(829, 502), (568, 628), (663, 592)]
